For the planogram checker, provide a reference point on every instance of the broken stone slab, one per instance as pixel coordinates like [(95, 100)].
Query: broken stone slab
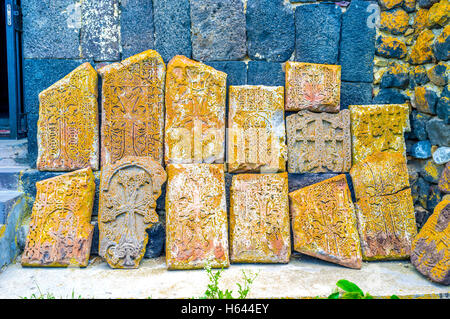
[(128, 193), (324, 222), (133, 108), (67, 129), (60, 232), (195, 113), (196, 217), (319, 142), (259, 219), (256, 130)]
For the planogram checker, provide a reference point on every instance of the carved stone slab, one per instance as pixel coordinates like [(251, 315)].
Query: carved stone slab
[(67, 129), (324, 222), (256, 130), (430, 248), (133, 108), (128, 193), (259, 219), (378, 128), (195, 113), (319, 142), (315, 87), (196, 216), (60, 232)]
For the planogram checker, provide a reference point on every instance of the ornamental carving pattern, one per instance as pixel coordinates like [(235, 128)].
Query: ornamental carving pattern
[(67, 129), (60, 232), (196, 216), (133, 108), (128, 193)]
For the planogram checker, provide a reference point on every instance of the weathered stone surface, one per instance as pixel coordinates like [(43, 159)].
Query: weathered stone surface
[(265, 73), (443, 105), (421, 149), (419, 125), (236, 71), (60, 232), (395, 21), (431, 172), (425, 100), (195, 113), (439, 14), (430, 254), (409, 5), (418, 76), (439, 74), (196, 220), (438, 132), (259, 219), (317, 30), (319, 142), (133, 108), (444, 181), (390, 96), (390, 4), (426, 3), (315, 87), (421, 51), (378, 128), (441, 155), (270, 30), (395, 76), (324, 222), (441, 47), (218, 30), (391, 47), (67, 129), (129, 189), (355, 93), (256, 130)]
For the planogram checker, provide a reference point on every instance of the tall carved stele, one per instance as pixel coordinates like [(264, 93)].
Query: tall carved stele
[(133, 108), (196, 217), (128, 193), (60, 232), (67, 129), (195, 113)]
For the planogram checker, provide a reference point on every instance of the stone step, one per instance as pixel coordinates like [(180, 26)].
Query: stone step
[(14, 153), (9, 178), (7, 201)]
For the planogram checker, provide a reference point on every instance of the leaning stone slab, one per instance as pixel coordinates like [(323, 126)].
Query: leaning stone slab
[(68, 122), (378, 127), (430, 254), (315, 87), (196, 217), (324, 222), (133, 108), (319, 142), (128, 193), (256, 130), (195, 113), (60, 232), (259, 219)]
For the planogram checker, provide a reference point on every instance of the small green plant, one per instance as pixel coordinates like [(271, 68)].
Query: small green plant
[(349, 290), (48, 295)]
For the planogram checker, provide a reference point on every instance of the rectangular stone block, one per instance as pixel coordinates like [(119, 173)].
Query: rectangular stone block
[(60, 232), (256, 130), (265, 73), (315, 87), (67, 129), (133, 108), (259, 219), (195, 113), (324, 222), (319, 142), (378, 127), (196, 217)]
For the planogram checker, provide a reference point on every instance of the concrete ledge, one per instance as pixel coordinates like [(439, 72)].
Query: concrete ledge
[(303, 277)]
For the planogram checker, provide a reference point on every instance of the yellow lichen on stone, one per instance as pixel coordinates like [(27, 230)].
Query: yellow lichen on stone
[(439, 13), (422, 52), (395, 21), (389, 4), (444, 181), (420, 20)]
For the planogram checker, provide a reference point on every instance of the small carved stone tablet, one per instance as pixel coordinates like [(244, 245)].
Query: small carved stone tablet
[(128, 193), (67, 129), (378, 128), (324, 222), (60, 232), (195, 113), (196, 217), (133, 108), (259, 219), (319, 142), (315, 87), (256, 135), (430, 248)]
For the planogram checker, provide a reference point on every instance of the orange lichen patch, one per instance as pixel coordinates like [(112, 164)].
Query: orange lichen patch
[(60, 232), (129, 189), (133, 108), (378, 128), (391, 47), (421, 100), (420, 20), (444, 35), (259, 219), (422, 52), (395, 21), (316, 87), (439, 13), (324, 222), (256, 135), (430, 254), (67, 129), (389, 4), (444, 181), (195, 113), (196, 217)]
